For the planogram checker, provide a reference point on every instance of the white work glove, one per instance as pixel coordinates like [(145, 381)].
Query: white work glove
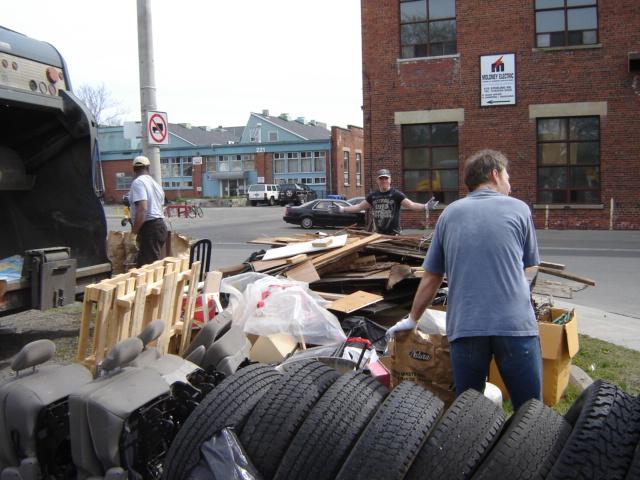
[(431, 204), (407, 323), (337, 209)]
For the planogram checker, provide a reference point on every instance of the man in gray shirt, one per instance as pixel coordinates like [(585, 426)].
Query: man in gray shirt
[(483, 243)]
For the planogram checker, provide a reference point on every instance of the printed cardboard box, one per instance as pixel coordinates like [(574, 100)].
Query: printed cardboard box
[(559, 344), (423, 359)]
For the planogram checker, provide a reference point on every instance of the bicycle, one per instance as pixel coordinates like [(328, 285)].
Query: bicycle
[(196, 211)]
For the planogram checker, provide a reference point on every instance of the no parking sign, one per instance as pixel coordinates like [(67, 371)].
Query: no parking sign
[(157, 128)]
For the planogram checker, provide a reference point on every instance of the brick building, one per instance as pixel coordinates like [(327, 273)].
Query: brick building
[(219, 162), (553, 84)]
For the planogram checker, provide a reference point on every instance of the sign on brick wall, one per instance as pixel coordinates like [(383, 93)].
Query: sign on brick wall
[(497, 80)]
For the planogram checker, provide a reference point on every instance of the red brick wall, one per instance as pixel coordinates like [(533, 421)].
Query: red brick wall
[(352, 140), (549, 76)]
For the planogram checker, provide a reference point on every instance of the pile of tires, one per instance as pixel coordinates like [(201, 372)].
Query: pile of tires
[(311, 422)]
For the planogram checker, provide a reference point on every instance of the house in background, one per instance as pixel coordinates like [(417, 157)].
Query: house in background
[(222, 162), (553, 84)]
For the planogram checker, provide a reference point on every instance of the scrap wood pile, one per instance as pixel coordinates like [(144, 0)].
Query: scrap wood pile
[(345, 263)]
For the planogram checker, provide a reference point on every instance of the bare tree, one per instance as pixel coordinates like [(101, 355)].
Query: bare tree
[(98, 100)]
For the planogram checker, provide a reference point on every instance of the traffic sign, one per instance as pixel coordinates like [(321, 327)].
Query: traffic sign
[(157, 128)]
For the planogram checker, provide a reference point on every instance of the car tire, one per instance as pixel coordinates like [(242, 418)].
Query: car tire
[(306, 222), (272, 201), (254, 203), (460, 440), (529, 445), (606, 429), (227, 405), (124, 222), (389, 444), (279, 414), (332, 428)]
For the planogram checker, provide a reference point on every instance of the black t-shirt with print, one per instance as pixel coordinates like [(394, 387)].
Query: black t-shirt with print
[(385, 208)]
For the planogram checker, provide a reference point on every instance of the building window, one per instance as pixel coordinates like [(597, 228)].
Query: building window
[(427, 28), (279, 163), (345, 167), (569, 160), (176, 167), (320, 180), (245, 162), (293, 162), (319, 161), (430, 161), (566, 22), (123, 181), (358, 169), (273, 136)]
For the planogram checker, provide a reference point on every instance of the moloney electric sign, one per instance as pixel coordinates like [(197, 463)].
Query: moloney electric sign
[(497, 80)]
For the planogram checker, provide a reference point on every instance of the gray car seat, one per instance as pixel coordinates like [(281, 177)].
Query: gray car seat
[(210, 332), (228, 353), (34, 431), (101, 411)]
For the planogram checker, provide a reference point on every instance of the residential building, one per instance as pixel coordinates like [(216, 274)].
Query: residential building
[(553, 84)]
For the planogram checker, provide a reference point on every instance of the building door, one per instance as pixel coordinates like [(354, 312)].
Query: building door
[(233, 187)]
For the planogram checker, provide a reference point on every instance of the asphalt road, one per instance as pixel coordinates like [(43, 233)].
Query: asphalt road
[(612, 259)]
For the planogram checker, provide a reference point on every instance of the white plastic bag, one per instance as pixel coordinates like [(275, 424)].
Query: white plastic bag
[(270, 305), (433, 322)]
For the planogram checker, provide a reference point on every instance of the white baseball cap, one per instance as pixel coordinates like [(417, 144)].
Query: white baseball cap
[(141, 161)]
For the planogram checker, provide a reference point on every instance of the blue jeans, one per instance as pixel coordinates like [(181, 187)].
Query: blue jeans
[(518, 358)]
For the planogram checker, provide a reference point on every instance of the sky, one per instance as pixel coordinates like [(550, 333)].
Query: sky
[(215, 61)]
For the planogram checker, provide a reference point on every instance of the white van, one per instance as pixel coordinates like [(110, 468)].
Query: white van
[(263, 193)]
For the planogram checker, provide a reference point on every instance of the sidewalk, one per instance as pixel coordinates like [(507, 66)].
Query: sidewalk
[(610, 327)]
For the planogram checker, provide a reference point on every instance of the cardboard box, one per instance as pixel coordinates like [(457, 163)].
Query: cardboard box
[(559, 344), (272, 348)]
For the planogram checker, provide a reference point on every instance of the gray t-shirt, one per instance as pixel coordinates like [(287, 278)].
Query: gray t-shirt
[(146, 188), (483, 243)]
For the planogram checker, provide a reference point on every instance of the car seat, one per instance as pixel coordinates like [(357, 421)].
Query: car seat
[(34, 416)]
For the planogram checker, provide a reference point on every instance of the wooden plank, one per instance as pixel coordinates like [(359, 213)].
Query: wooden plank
[(567, 275), (187, 319), (303, 272), (355, 301), (555, 266), (85, 322), (263, 265), (329, 295), (137, 310), (297, 259), (321, 242), (334, 255), (397, 274), (212, 288), (303, 247), (105, 302), (365, 260), (167, 299)]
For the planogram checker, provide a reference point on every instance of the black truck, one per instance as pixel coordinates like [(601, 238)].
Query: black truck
[(52, 220)]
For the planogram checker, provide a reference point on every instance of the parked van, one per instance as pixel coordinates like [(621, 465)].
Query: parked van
[(263, 193)]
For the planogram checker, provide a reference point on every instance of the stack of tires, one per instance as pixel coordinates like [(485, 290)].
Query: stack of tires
[(311, 422)]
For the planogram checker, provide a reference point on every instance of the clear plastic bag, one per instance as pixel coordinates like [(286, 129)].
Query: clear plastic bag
[(223, 458), (266, 305)]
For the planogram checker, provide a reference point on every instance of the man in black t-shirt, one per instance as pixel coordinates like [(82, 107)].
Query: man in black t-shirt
[(385, 205)]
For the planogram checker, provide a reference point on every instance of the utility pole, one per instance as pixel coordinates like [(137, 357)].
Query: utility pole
[(147, 84)]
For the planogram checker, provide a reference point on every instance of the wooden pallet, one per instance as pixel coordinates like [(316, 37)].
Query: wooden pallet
[(120, 307)]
